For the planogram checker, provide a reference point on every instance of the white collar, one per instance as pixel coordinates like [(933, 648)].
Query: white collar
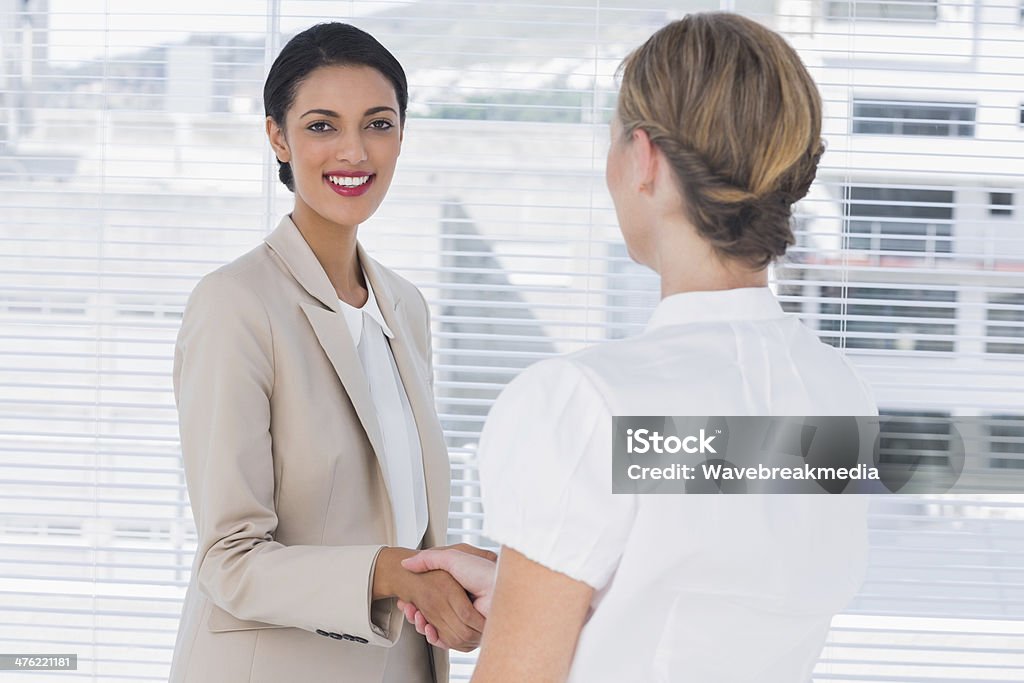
[(743, 303), (354, 318)]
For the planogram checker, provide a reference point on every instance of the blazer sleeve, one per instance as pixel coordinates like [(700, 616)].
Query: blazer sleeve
[(223, 382)]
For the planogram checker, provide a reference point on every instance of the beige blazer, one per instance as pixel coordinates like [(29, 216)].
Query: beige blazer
[(281, 447)]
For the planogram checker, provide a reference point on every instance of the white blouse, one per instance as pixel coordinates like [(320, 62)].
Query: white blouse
[(703, 588), (403, 457)]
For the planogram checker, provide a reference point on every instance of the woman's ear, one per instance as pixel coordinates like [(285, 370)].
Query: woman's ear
[(645, 161), (278, 141)]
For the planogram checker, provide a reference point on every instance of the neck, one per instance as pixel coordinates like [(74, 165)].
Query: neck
[(687, 263), (335, 248)]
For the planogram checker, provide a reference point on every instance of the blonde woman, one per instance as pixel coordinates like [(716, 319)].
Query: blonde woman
[(717, 134)]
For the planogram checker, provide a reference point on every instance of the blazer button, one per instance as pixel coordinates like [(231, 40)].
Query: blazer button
[(346, 636), (364, 641), (336, 636), (321, 632)]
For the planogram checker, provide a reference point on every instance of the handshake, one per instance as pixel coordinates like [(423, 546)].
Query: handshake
[(444, 592)]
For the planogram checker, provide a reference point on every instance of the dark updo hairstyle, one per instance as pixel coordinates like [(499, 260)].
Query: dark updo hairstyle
[(329, 44), (738, 117)]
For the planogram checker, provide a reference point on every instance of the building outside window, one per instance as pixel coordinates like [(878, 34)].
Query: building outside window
[(889, 319), (1000, 203), (899, 219), (896, 117), (905, 10), (1005, 329)]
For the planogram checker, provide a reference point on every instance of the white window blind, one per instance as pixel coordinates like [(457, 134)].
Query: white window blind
[(132, 161)]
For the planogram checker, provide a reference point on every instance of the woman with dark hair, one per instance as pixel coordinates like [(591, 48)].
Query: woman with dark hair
[(314, 458), (717, 133)]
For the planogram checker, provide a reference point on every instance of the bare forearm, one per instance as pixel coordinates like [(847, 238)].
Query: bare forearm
[(388, 572), (526, 640)]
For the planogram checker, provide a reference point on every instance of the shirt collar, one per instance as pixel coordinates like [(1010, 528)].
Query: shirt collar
[(372, 309), (744, 303), (354, 316)]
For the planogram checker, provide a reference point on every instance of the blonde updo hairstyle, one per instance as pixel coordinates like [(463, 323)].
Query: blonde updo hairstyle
[(738, 117)]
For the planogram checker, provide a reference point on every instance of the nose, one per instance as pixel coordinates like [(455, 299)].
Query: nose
[(350, 148)]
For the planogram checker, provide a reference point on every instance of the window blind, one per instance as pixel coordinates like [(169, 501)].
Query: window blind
[(132, 161)]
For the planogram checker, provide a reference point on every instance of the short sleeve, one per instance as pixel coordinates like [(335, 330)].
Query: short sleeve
[(545, 470)]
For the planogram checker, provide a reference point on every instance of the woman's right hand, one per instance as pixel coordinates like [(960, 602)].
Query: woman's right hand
[(441, 599)]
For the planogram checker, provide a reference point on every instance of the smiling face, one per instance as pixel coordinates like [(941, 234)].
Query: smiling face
[(341, 137)]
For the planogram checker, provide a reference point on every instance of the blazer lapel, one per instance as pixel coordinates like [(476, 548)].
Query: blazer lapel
[(436, 468), (329, 327), (288, 243)]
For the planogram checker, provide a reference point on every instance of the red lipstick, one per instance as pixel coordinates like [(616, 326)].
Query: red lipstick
[(349, 183)]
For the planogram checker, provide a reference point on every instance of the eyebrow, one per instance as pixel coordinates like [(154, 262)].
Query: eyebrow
[(369, 112)]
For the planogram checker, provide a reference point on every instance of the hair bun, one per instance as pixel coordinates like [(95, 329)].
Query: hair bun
[(756, 230), (284, 174)]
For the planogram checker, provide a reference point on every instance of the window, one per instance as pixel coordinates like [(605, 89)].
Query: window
[(1006, 434), (895, 117), (1000, 203), (1005, 330), (44, 304), (889, 319), (153, 309), (133, 161), (889, 220), (914, 438), (491, 331), (564, 105), (883, 10)]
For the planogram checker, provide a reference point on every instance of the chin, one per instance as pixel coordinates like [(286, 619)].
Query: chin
[(633, 255), (354, 214), (632, 248), (352, 218), (640, 254)]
